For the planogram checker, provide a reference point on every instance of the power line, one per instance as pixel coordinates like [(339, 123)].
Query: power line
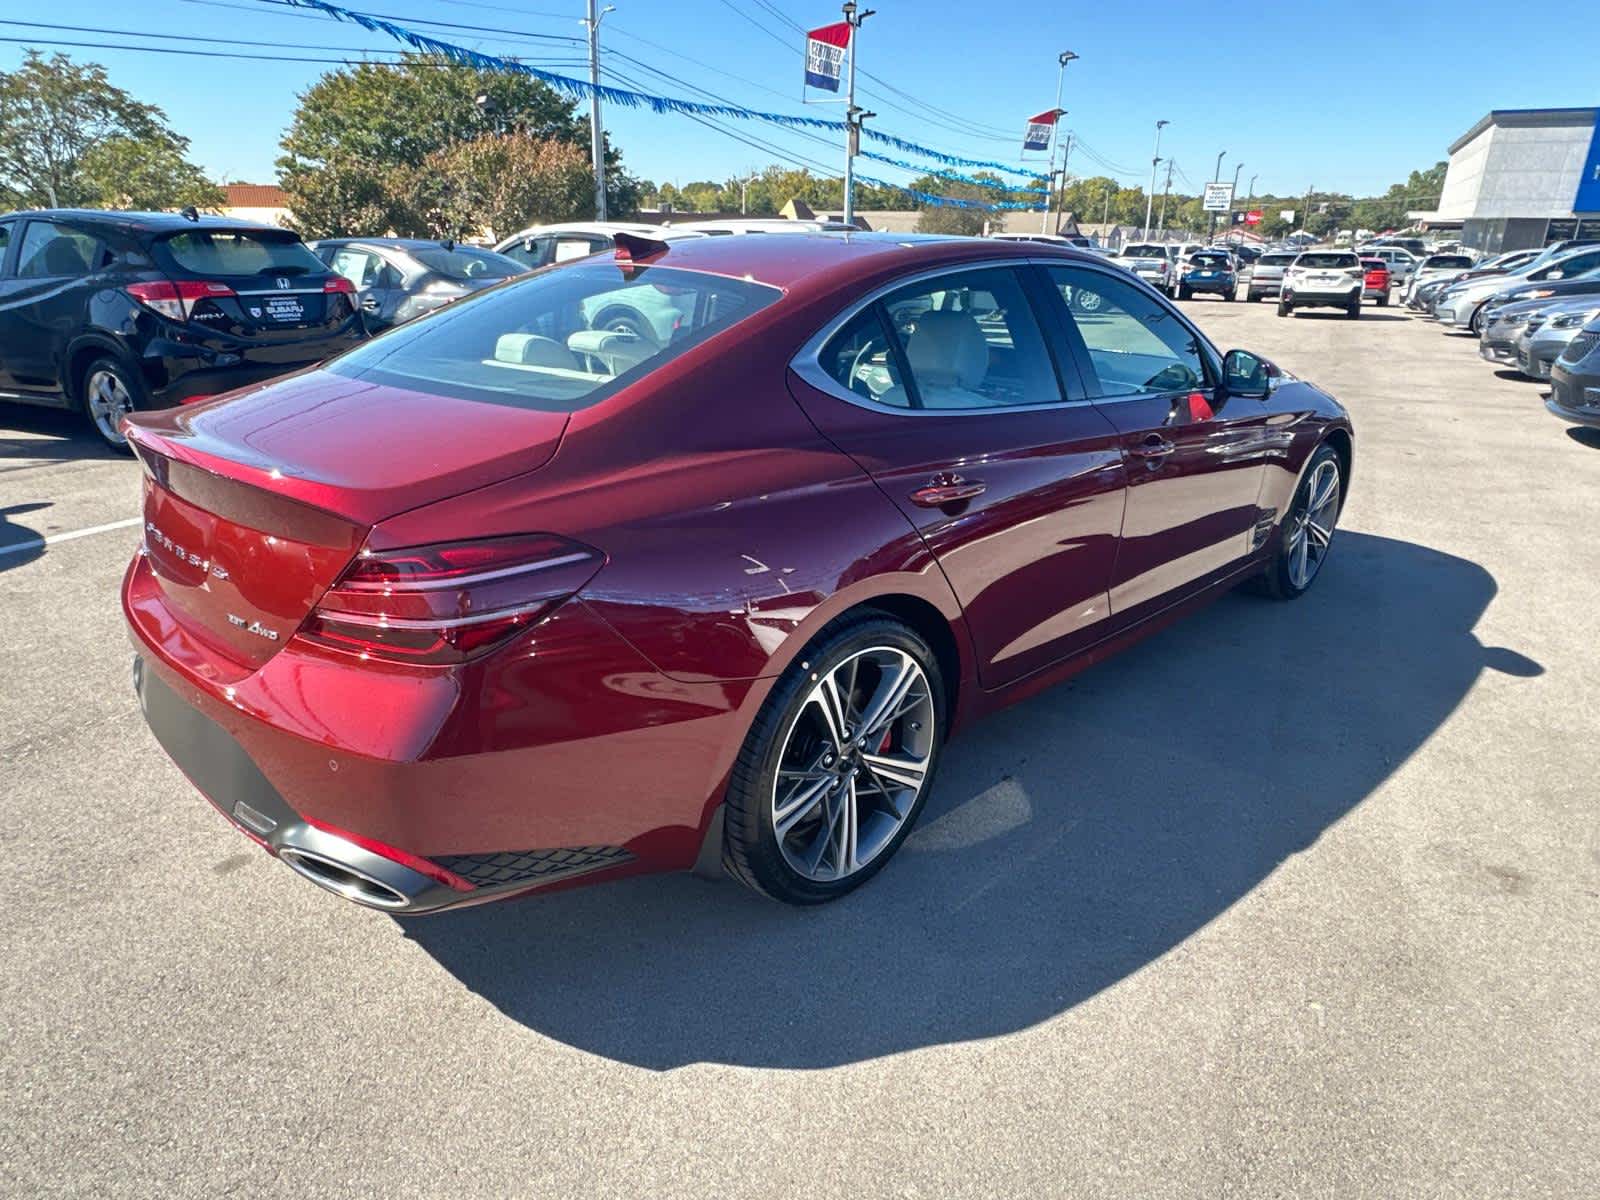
[(180, 37), (204, 53)]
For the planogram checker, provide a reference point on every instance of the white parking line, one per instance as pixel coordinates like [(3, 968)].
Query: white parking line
[(38, 543)]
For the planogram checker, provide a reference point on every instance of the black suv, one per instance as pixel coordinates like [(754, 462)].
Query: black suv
[(107, 312)]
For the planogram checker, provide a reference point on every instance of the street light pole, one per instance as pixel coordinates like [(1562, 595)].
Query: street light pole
[(1232, 195), (597, 137), (853, 116), (1165, 192), (1216, 177), (1062, 60), (1150, 196)]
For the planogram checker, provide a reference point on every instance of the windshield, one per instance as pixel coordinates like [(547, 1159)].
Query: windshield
[(1143, 252), (559, 340), (1275, 260), (1326, 262), (241, 252), (1447, 262)]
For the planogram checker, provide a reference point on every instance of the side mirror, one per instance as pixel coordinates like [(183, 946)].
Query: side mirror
[(1246, 374)]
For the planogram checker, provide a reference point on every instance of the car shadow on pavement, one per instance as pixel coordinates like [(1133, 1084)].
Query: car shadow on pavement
[(1585, 436), (1072, 840), (18, 543), (1332, 315), (56, 435)]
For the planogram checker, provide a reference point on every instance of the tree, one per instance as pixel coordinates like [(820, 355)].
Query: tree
[(66, 131), (361, 135), (123, 172), (502, 181)]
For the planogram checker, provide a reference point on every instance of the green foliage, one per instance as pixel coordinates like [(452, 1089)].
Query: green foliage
[(361, 135), (69, 136), (124, 172), (503, 181)]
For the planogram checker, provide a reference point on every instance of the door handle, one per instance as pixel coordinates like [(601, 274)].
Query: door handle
[(947, 490), (369, 303), (1152, 449)]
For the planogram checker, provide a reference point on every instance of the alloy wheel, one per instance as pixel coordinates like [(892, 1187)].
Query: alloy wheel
[(109, 401), (1311, 525), (855, 760)]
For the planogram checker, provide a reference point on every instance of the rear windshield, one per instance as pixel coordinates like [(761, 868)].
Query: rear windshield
[(1275, 260), (1374, 264), (1209, 259), (242, 252), (1143, 252), (462, 263), (1447, 261), (1326, 261), (559, 340)]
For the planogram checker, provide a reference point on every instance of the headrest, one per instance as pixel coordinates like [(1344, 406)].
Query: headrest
[(948, 349)]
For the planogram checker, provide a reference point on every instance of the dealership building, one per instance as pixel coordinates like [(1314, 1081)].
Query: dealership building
[(1522, 177)]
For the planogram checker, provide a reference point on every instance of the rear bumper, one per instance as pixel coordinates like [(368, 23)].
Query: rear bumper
[(513, 772), (1324, 299)]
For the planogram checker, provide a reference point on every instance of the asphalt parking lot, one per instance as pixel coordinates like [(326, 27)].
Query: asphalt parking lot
[(1289, 900)]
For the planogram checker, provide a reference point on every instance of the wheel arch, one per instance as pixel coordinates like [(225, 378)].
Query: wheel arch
[(83, 351), (933, 627), (1344, 446)]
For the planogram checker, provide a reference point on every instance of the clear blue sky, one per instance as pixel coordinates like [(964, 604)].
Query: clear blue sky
[(1303, 94)]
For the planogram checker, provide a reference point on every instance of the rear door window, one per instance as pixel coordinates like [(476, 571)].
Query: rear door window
[(52, 251), (360, 267)]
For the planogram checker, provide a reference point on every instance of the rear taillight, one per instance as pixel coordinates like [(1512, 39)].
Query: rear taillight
[(445, 603), (338, 283), (176, 301)]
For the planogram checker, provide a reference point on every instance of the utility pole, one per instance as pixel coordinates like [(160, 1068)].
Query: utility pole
[(853, 116), (1165, 192), (1150, 197), (597, 137), (1305, 213), (1062, 60), (1061, 188)]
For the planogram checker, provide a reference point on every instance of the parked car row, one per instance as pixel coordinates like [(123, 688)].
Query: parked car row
[(1535, 312)]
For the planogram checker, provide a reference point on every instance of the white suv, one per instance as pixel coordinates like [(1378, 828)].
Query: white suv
[(1323, 279)]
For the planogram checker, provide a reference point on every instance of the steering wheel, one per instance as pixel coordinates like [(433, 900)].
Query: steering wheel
[(862, 355)]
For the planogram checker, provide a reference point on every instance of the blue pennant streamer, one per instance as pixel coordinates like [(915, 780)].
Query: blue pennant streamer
[(582, 89), (955, 176), (951, 202)]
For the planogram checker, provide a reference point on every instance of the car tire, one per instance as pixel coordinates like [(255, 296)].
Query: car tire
[(1183, 293), (788, 831), (1285, 308), (108, 391), (1298, 555), (1228, 295), (1353, 309), (1383, 300), (1475, 322)]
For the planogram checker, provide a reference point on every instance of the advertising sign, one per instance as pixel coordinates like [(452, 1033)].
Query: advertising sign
[(1588, 199), (1037, 135), (1286, 214), (1253, 217), (825, 49), (1219, 197)]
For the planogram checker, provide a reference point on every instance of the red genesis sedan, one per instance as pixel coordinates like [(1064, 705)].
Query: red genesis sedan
[(692, 556)]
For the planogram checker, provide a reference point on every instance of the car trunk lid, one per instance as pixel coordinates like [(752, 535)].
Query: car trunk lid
[(254, 504)]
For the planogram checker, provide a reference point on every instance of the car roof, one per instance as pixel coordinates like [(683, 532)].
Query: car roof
[(398, 243), (599, 228), (145, 222), (829, 258)]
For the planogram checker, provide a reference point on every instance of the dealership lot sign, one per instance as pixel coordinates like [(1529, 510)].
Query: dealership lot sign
[(1588, 199)]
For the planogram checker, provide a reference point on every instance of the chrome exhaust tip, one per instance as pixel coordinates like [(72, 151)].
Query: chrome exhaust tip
[(336, 864), (343, 880)]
